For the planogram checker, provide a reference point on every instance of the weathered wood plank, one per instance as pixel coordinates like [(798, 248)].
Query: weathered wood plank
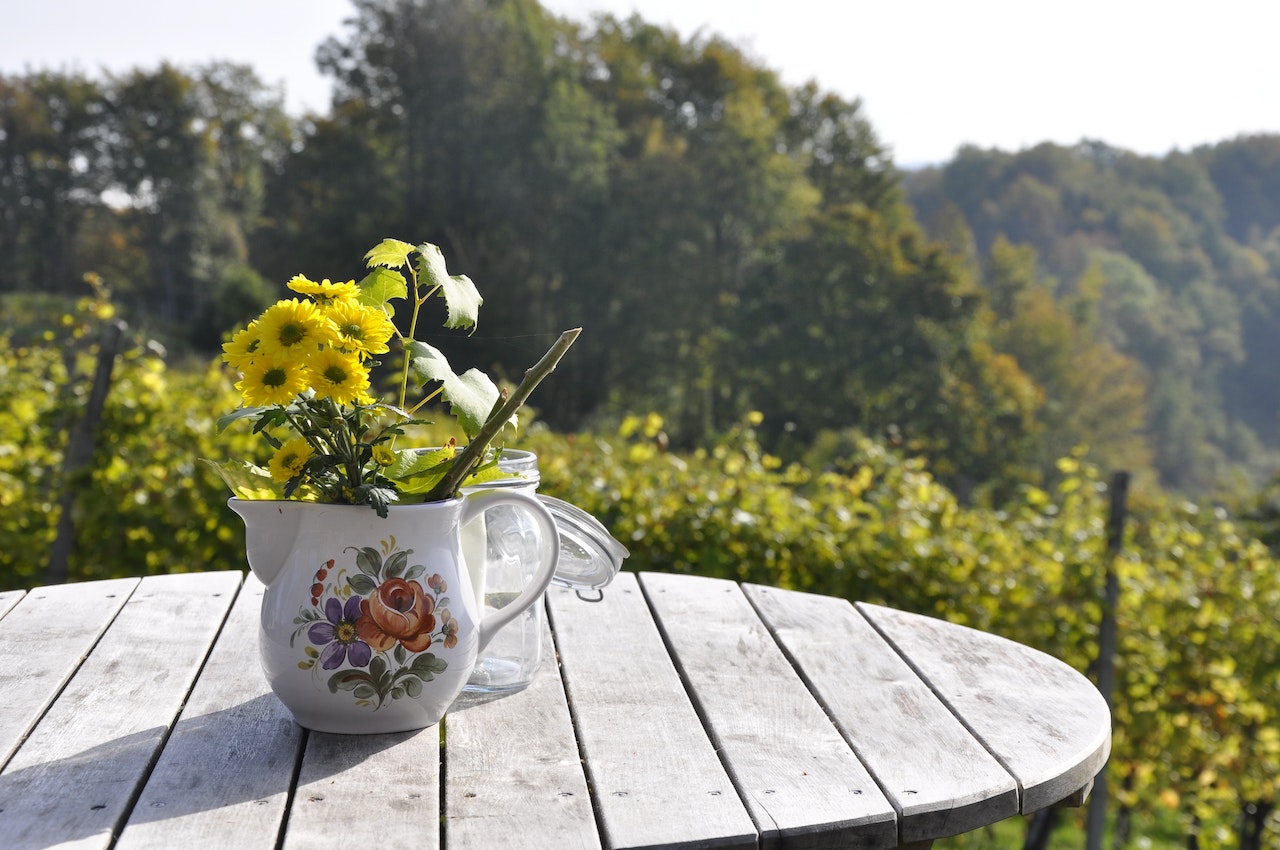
[(8, 599), (798, 777), (234, 722), (1046, 723), (656, 777), (937, 775), (513, 769), (70, 784), (43, 639), (379, 791)]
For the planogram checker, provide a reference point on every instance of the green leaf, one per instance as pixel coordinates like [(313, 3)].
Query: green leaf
[(461, 297), (471, 396), (427, 665), (246, 480), (413, 687), (389, 252), (236, 415), (380, 286), (369, 561), (418, 470), (348, 680), (377, 668), (362, 584), (401, 654), (396, 563)]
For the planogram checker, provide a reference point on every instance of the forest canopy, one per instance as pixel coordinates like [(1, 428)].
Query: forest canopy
[(729, 243)]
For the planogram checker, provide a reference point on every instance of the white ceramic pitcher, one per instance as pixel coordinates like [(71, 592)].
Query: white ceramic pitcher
[(370, 624)]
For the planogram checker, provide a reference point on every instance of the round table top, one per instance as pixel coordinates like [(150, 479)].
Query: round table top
[(683, 712)]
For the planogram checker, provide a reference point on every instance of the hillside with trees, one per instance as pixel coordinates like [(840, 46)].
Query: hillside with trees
[(730, 243), (799, 366), (1171, 265)]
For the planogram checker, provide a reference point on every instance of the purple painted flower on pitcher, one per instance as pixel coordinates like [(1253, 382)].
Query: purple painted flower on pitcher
[(338, 635)]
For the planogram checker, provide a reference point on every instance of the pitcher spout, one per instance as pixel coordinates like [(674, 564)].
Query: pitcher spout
[(271, 529)]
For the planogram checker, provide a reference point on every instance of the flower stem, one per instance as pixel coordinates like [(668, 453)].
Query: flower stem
[(474, 453)]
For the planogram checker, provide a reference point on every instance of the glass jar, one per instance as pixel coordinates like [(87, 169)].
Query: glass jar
[(501, 551)]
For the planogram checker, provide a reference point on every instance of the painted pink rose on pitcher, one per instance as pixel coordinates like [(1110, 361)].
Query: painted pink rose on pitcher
[(398, 611), (372, 626)]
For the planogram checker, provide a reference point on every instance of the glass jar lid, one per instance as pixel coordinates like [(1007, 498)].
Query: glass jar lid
[(589, 556)]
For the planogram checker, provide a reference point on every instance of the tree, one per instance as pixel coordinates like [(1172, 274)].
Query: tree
[(51, 177)]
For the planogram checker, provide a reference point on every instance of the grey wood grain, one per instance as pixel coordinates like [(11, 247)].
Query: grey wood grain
[(71, 782), (43, 640), (1046, 723), (656, 777), (513, 769), (378, 791), (224, 777), (798, 777), (8, 599), (937, 775)]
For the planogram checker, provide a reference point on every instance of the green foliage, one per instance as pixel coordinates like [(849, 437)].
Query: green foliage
[(1197, 722), (1164, 261), (1197, 731), (143, 506)]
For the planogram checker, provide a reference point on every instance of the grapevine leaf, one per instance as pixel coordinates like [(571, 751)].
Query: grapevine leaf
[(418, 470), (380, 286), (471, 395), (461, 297), (389, 252)]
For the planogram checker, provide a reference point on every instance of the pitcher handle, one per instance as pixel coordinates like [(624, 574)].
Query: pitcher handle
[(548, 555)]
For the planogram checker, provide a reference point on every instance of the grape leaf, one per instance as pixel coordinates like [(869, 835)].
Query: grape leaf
[(380, 286), (391, 253), (471, 395), (461, 297)]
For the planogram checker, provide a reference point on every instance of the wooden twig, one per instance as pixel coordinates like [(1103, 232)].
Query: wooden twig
[(474, 452)]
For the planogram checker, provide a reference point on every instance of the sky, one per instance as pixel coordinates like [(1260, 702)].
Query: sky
[(932, 75)]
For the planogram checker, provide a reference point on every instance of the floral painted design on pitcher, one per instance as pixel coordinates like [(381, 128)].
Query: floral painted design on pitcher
[(374, 625), (369, 624)]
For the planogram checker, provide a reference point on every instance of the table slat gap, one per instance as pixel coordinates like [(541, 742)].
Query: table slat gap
[(42, 648), (940, 779), (513, 767), (628, 702), (391, 781), (8, 599), (231, 718), (77, 774), (592, 792), (943, 698), (797, 775), (1001, 689)]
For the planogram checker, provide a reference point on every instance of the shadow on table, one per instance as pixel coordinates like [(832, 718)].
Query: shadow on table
[(245, 754)]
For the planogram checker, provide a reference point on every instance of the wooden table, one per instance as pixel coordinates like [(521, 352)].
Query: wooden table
[(685, 712)]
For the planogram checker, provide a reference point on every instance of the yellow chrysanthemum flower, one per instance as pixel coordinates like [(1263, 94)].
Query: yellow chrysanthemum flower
[(243, 348), (325, 293), (362, 329), (383, 455), (294, 330), (289, 459), (339, 375), (269, 380)]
